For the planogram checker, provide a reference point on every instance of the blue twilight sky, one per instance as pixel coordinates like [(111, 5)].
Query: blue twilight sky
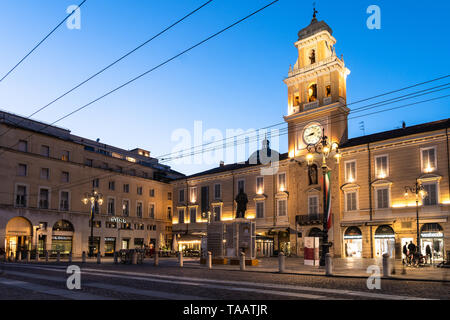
[(233, 81)]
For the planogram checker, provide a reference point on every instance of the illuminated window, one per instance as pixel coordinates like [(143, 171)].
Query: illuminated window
[(428, 159), (381, 167), (65, 155), (312, 93), (328, 91), (260, 185), (350, 171), (125, 208), (193, 194), (282, 181)]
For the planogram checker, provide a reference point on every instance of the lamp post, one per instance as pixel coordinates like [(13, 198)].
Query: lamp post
[(419, 191), (325, 149), (94, 198)]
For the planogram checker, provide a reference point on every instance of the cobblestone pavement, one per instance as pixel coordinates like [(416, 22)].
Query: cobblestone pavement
[(169, 281)]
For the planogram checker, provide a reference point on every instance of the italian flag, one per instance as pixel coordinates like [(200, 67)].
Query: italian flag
[(327, 187)]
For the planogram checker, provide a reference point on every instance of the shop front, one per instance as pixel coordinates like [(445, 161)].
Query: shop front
[(125, 244), (19, 233), (110, 246), (384, 241), (432, 236), (138, 243), (189, 244), (62, 237), (353, 242), (264, 246)]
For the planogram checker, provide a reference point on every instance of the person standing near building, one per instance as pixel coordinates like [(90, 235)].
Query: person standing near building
[(428, 253), (405, 253)]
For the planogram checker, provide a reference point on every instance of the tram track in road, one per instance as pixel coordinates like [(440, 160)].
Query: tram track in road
[(192, 288)]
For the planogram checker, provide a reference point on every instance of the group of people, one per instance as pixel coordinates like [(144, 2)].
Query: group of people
[(412, 253)]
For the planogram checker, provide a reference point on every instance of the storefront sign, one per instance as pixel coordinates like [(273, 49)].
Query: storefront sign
[(110, 239), (119, 220), (62, 238), (432, 235)]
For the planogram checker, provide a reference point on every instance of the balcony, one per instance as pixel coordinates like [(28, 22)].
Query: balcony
[(309, 219)]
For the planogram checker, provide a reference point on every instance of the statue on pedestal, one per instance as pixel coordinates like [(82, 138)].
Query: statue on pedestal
[(241, 200)]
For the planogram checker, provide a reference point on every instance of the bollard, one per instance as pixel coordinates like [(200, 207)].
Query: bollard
[(28, 256), (242, 261), (58, 256), (328, 265), (116, 258), (281, 262), (134, 257), (70, 257), (83, 257), (209, 260), (37, 256), (181, 259), (386, 268), (99, 257), (11, 257), (18, 256), (156, 263), (46, 255)]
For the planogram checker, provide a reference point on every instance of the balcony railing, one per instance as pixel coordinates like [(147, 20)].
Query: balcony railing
[(309, 219)]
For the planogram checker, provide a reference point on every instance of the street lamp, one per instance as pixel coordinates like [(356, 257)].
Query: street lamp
[(420, 192), (326, 149), (94, 198)]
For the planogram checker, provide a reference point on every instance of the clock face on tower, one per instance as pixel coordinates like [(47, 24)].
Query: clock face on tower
[(312, 134)]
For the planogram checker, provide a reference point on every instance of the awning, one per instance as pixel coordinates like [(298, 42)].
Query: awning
[(189, 238)]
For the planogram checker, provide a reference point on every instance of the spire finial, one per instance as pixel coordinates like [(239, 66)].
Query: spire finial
[(314, 10)]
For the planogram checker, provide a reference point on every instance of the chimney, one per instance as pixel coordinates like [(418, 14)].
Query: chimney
[(222, 163), (403, 124)]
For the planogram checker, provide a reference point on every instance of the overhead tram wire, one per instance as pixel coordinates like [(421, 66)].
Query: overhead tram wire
[(152, 69), (239, 142), (283, 132), (348, 104), (40, 42), (356, 110), (112, 63)]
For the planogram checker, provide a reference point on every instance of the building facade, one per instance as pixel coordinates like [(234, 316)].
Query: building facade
[(45, 173), (370, 215)]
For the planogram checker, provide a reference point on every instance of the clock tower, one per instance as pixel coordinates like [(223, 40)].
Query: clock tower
[(316, 90)]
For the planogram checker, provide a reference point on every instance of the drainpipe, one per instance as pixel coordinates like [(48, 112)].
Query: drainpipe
[(370, 199)]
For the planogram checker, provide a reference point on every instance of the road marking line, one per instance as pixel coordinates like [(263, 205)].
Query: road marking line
[(169, 295), (74, 295), (122, 274)]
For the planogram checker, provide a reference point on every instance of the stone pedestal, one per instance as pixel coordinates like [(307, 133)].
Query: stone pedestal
[(227, 239)]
